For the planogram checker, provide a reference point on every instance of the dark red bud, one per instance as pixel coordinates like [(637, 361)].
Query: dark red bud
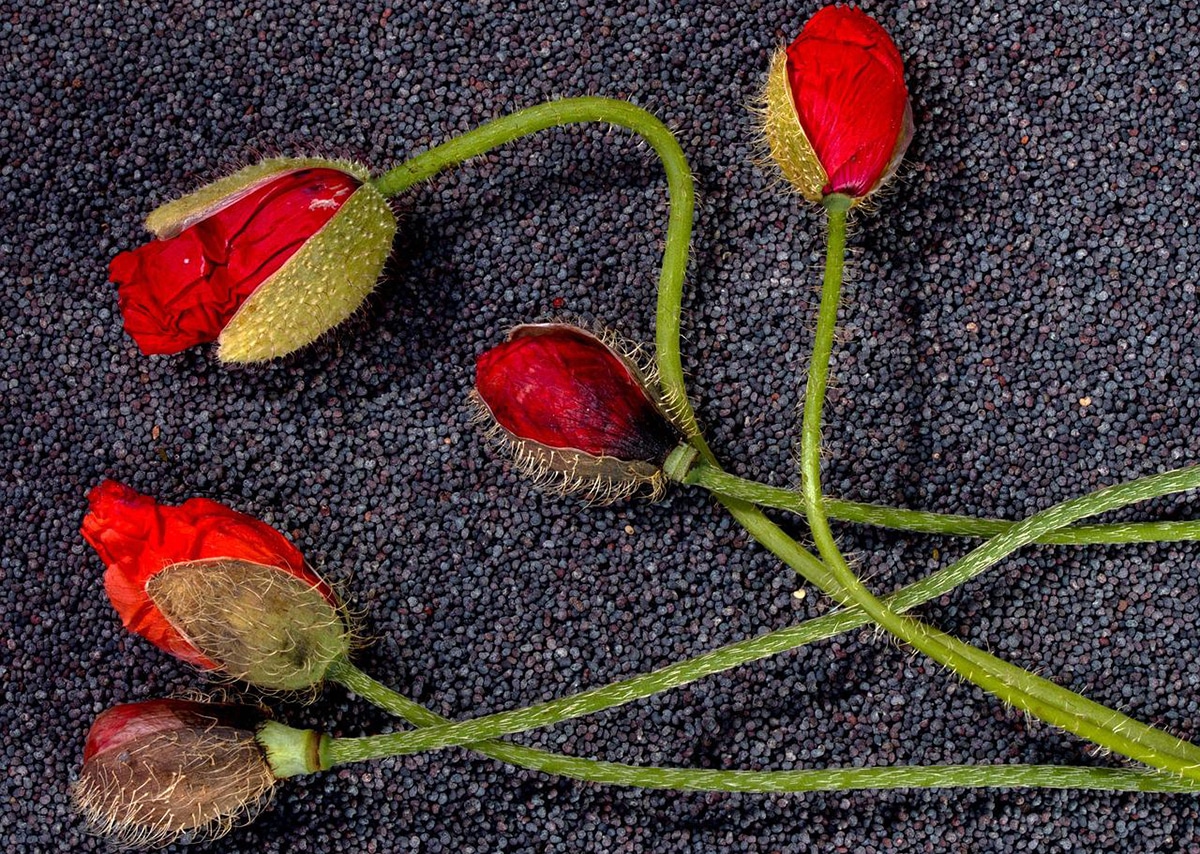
[(576, 407)]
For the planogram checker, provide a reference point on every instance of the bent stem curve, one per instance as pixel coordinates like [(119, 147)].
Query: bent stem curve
[(342, 751), (1042, 698), (680, 185)]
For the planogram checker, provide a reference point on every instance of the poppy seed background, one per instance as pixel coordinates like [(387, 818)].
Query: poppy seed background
[(1020, 327)]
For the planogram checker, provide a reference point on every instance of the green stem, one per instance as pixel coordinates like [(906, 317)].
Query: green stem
[(670, 290), (727, 485), (822, 780), (1105, 726), (733, 655), (680, 185), (554, 114), (1039, 697), (742, 652)]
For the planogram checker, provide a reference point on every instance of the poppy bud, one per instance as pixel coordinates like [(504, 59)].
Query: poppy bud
[(215, 587), (837, 117), (576, 412), (156, 770), (263, 261)]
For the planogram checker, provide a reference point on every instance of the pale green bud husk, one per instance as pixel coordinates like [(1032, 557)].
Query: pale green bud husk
[(258, 623), (291, 752), (317, 288)]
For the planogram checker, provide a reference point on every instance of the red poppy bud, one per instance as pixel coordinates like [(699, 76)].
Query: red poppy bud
[(156, 770), (838, 117), (264, 261), (215, 587), (576, 412)]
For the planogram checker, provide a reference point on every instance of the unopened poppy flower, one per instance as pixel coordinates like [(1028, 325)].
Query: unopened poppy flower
[(215, 587), (838, 117), (264, 261), (156, 770), (576, 412)]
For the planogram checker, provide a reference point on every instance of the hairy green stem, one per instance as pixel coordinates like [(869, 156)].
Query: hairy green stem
[(728, 485), (554, 114), (338, 752), (742, 652), (680, 185), (1063, 708), (1042, 698), (670, 289)]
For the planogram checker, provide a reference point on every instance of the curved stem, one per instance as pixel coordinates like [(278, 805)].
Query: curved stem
[(828, 779), (670, 290), (1040, 697), (742, 652), (498, 132), (554, 114), (725, 484), (680, 186)]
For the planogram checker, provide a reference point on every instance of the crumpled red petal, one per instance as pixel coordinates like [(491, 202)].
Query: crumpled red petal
[(137, 537), (180, 292)]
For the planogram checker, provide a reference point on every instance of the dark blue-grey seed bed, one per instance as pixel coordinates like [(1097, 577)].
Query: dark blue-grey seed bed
[(1020, 326)]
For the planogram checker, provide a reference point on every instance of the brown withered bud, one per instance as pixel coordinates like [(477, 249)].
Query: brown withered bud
[(158, 770)]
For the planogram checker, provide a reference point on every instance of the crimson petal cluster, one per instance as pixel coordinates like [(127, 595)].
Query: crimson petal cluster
[(215, 587), (575, 411), (264, 261), (838, 117)]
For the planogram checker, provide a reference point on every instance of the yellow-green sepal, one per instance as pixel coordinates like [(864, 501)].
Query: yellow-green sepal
[(321, 285), (790, 146), (170, 219)]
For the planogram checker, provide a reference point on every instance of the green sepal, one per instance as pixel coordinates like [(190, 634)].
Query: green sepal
[(255, 622), (790, 147), (168, 220), (291, 752), (320, 286)]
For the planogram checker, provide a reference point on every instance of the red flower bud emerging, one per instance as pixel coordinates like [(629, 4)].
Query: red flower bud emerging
[(214, 587), (155, 770), (838, 117), (576, 411), (266, 260)]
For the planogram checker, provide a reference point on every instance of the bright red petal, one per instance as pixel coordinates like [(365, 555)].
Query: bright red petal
[(847, 81), (181, 292)]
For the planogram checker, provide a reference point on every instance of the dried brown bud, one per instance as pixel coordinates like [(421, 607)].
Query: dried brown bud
[(162, 769)]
